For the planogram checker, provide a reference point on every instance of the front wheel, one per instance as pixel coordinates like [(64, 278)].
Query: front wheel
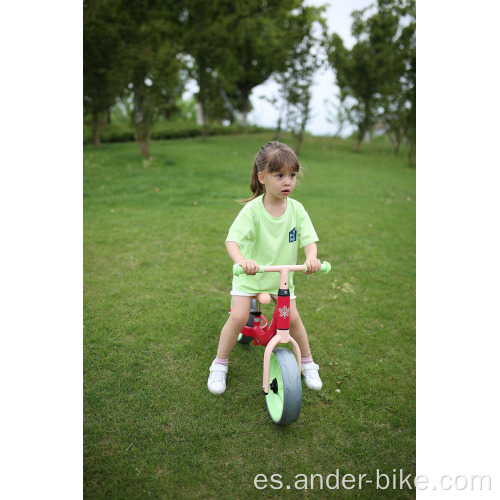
[(284, 400)]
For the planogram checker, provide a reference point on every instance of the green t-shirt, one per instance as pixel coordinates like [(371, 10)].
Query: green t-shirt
[(270, 241)]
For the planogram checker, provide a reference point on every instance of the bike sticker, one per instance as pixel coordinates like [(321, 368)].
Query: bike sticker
[(284, 311)]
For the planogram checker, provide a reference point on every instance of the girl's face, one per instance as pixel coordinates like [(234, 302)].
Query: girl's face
[(279, 185)]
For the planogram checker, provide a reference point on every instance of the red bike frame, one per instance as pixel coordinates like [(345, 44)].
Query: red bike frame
[(263, 333), (279, 329)]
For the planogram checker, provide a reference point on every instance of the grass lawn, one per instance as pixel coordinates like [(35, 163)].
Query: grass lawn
[(156, 294)]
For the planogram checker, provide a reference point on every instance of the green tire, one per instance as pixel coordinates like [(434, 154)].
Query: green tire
[(284, 400)]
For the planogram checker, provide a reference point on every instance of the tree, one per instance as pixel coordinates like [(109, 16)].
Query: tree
[(102, 83), (204, 41), (261, 34), (399, 104), (236, 46), (338, 115), (409, 49), (371, 71), (410, 116), (149, 31), (304, 59)]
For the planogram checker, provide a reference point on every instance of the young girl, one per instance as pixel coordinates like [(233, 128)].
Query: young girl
[(269, 230)]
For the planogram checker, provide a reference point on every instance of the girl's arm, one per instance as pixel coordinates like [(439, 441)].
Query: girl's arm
[(312, 262), (233, 249)]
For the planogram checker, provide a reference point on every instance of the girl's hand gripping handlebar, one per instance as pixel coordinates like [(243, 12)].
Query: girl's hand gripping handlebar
[(325, 268)]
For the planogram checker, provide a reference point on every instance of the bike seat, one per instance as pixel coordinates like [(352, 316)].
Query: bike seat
[(263, 298)]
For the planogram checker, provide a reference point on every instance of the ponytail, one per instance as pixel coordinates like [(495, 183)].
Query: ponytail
[(255, 186)]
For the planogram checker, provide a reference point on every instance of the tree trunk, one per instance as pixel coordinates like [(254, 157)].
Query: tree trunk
[(364, 128), (411, 153), (96, 132), (277, 135), (361, 134), (141, 127), (398, 137), (96, 138), (303, 123), (143, 143), (298, 145), (206, 130), (280, 121)]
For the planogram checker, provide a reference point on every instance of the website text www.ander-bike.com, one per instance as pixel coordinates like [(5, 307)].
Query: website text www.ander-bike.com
[(396, 480)]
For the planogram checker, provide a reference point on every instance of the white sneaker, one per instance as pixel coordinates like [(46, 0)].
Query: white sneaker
[(311, 376), (217, 378)]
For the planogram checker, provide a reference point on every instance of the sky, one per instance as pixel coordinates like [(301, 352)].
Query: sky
[(338, 16)]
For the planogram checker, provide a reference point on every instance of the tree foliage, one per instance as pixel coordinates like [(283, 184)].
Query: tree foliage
[(376, 71), (140, 53), (304, 58), (203, 41), (149, 31), (131, 50), (102, 57), (238, 45), (262, 32)]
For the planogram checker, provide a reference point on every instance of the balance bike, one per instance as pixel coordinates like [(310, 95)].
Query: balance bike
[(281, 381)]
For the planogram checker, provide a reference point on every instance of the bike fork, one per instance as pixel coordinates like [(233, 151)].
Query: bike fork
[(281, 320)]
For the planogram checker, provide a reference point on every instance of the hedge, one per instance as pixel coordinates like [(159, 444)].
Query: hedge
[(122, 132)]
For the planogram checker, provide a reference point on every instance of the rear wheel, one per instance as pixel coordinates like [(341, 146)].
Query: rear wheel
[(244, 339), (284, 400)]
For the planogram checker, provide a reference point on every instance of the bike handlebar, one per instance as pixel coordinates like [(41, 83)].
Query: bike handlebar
[(325, 268)]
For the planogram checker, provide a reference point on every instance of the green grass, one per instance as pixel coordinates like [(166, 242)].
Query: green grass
[(156, 294)]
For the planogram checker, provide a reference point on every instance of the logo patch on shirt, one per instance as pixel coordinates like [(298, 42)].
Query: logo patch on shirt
[(292, 235)]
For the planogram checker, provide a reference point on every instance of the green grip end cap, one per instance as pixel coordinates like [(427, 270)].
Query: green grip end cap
[(326, 267)]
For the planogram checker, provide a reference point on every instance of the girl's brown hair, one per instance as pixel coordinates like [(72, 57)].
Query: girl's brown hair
[(273, 157)]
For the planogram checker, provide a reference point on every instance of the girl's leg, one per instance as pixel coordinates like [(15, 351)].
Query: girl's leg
[(229, 335), (240, 309)]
